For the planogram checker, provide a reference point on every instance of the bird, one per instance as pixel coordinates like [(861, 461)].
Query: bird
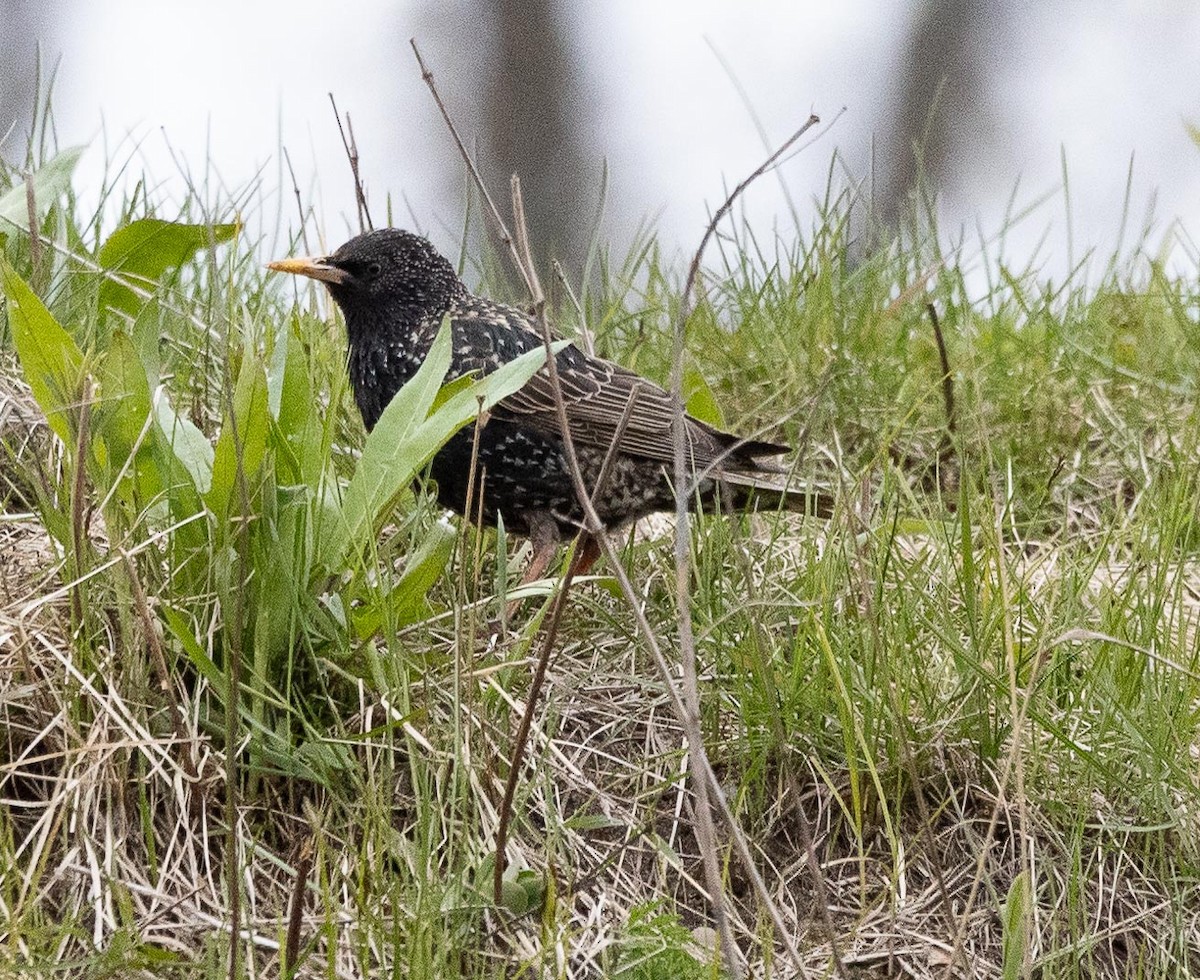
[(395, 289)]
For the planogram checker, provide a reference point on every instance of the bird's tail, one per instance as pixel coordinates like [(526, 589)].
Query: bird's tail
[(762, 492)]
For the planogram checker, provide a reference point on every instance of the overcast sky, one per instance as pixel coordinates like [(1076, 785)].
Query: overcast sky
[(1098, 84)]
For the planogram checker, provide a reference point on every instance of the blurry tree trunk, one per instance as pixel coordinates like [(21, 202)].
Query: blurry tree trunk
[(534, 119), (941, 102), (21, 24)]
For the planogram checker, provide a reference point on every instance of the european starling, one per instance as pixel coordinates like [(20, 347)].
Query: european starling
[(394, 290)]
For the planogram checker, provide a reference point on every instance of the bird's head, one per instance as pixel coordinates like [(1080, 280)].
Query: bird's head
[(383, 279)]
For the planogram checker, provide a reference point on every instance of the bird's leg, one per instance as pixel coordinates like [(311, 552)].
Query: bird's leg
[(586, 552), (543, 535)]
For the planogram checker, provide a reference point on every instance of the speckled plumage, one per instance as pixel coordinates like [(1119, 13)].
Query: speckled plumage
[(394, 290)]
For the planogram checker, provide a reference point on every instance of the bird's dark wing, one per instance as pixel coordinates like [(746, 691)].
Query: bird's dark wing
[(596, 393)]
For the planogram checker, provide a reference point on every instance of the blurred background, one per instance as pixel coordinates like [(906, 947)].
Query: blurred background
[(1055, 114)]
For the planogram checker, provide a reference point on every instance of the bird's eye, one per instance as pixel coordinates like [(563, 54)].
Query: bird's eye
[(374, 269)]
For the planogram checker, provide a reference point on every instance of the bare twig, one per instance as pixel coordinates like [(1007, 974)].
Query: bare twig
[(947, 445), (518, 205), (502, 229), (351, 148), (689, 720), (35, 238), (583, 552), (947, 375), (141, 606), (291, 947), (585, 335), (694, 269), (522, 736), (287, 158), (614, 444)]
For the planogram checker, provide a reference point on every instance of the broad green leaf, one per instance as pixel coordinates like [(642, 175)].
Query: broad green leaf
[(299, 432), (246, 436), (121, 417), (379, 474), (124, 395), (188, 444), (49, 181), (143, 251), (51, 360), (283, 549), (407, 435), (277, 367), (699, 400), (406, 602)]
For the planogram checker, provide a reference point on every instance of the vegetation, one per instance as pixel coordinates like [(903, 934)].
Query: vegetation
[(246, 675)]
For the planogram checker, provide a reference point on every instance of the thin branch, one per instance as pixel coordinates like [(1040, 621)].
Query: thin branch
[(522, 736), (505, 235), (518, 205), (947, 446), (351, 148), (287, 158), (583, 552), (688, 720), (291, 947), (585, 335), (614, 445), (947, 374)]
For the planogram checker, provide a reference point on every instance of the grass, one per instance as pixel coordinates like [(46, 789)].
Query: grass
[(979, 683)]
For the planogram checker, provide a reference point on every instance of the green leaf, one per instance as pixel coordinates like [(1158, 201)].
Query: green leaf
[(406, 603), (407, 435), (121, 417), (124, 395), (1017, 916), (188, 444), (299, 435), (181, 629), (699, 400), (143, 251), (49, 181), (386, 464), (51, 360), (246, 436)]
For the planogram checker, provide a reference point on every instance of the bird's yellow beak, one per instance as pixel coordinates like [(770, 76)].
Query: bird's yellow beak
[(314, 268)]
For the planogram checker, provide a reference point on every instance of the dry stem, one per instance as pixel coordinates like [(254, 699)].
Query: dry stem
[(351, 148)]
